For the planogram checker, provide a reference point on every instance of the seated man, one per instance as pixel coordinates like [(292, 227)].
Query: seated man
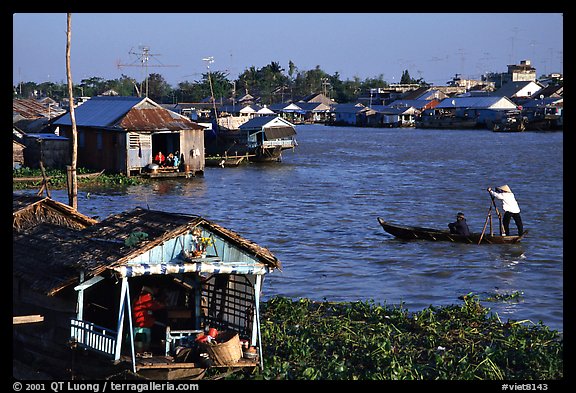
[(460, 227)]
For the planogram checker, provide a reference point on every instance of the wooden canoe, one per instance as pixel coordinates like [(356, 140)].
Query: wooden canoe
[(39, 178), (420, 233)]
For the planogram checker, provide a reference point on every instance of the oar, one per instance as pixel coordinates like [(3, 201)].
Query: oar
[(498, 213), (485, 224)]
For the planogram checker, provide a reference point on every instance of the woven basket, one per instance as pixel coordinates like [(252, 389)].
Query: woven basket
[(228, 349)]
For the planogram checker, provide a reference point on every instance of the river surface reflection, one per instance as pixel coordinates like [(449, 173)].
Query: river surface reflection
[(317, 209)]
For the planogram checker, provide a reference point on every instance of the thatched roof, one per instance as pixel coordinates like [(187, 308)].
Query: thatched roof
[(49, 258), (29, 211)]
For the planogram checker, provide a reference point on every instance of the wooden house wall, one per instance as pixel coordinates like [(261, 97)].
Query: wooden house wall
[(172, 248), (139, 150), (43, 345), (100, 149), (105, 149), (192, 149), (53, 153), (17, 154)]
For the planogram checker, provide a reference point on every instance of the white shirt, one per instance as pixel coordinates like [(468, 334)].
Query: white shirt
[(509, 203)]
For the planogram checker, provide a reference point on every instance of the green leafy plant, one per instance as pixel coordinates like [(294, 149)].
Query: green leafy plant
[(308, 340)]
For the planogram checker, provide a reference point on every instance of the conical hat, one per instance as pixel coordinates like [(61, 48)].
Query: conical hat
[(504, 188)]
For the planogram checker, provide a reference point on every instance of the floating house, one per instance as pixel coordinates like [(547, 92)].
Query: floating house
[(52, 150), (123, 135), (388, 116), (83, 279), (466, 112), (348, 114), (268, 137), (262, 138)]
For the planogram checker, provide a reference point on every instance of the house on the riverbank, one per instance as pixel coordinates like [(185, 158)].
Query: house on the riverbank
[(81, 276), (466, 112), (123, 135)]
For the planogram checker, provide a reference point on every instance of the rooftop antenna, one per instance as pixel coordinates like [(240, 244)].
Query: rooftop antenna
[(209, 60), (515, 32), (461, 52), (142, 59)]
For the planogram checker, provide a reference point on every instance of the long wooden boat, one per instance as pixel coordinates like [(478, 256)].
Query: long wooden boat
[(39, 178), (420, 233), (227, 161)]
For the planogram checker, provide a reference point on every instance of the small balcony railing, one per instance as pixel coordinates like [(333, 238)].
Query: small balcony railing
[(94, 337)]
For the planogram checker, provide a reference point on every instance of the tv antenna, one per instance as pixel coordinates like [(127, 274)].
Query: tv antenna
[(142, 59)]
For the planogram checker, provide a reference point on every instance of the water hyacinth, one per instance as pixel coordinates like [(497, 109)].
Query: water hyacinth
[(308, 340)]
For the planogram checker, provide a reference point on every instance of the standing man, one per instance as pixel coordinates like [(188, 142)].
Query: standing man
[(510, 207), (144, 318)]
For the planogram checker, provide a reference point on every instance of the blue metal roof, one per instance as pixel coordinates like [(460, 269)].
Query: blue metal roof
[(46, 136), (417, 103), (258, 122), (100, 111), (474, 102)]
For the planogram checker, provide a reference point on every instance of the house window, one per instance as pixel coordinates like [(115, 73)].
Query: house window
[(81, 138), (136, 141), (99, 141)]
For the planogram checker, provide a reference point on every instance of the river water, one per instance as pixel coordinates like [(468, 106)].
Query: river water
[(317, 212)]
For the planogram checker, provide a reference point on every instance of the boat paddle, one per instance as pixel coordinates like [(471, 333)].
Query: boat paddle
[(488, 217), (498, 213)]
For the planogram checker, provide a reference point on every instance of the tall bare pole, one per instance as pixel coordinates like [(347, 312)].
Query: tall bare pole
[(72, 179)]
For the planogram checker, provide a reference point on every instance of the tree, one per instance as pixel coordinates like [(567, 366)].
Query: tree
[(405, 78), (158, 89), (292, 69), (220, 85)]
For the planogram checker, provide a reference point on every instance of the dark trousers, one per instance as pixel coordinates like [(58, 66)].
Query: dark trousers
[(517, 220)]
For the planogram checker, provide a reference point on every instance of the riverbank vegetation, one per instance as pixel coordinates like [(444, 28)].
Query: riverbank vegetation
[(57, 179), (308, 340)]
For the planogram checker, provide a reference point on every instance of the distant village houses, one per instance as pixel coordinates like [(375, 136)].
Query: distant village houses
[(123, 134)]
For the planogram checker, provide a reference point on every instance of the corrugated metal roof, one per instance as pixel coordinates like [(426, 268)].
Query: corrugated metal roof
[(157, 119), (348, 108), (45, 136), (279, 132), (416, 103), (261, 121), (128, 113), (31, 109), (100, 111), (476, 102)]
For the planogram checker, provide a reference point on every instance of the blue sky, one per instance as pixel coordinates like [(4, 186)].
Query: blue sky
[(432, 46)]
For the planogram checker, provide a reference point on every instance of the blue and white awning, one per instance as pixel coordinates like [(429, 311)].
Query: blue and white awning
[(142, 269)]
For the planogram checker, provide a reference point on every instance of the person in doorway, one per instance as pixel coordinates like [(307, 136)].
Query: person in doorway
[(459, 227), (170, 160), (144, 318), (160, 159), (510, 207), (176, 159)]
